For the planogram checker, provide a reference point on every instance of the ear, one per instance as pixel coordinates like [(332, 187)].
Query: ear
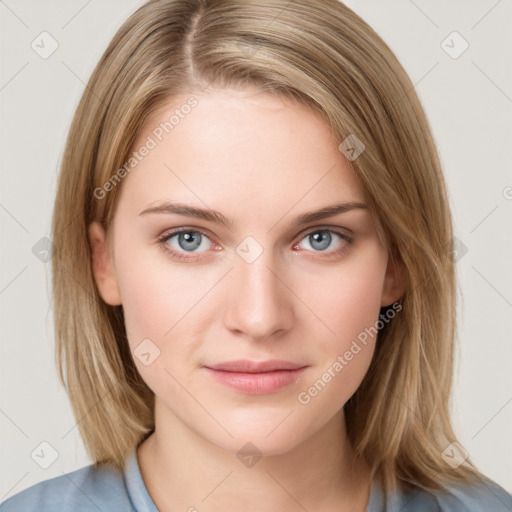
[(394, 281), (102, 267)]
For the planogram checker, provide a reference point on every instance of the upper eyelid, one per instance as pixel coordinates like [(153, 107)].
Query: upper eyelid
[(333, 229)]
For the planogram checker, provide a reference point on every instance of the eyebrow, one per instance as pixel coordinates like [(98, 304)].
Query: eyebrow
[(215, 216)]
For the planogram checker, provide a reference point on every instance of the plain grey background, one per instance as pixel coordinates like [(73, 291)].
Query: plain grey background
[(467, 96)]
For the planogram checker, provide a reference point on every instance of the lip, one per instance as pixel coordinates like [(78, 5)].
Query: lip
[(247, 366), (256, 377)]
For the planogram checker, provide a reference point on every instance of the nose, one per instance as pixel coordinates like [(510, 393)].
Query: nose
[(258, 300)]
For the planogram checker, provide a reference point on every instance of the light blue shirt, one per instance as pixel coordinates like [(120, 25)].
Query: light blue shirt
[(106, 490)]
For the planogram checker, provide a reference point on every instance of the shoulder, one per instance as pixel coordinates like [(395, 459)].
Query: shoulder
[(486, 496), (86, 489)]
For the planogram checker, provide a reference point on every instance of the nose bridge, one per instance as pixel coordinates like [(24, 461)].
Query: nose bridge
[(259, 303)]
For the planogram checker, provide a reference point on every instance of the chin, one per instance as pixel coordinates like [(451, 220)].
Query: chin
[(268, 435), (260, 445)]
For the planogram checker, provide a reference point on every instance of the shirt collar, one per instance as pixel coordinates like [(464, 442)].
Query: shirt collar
[(135, 485)]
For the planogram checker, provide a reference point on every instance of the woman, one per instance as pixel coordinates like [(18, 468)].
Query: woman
[(253, 276)]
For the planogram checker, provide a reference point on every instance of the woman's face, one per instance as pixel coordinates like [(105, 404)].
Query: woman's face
[(262, 286)]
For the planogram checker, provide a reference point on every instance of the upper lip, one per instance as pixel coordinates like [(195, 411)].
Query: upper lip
[(247, 366)]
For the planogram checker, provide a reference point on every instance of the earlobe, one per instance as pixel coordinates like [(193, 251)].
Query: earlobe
[(394, 282), (102, 266)]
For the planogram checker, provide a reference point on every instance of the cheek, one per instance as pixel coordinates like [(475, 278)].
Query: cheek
[(347, 300), (164, 312), (153, 306), (156, 294), (354, 302), (347, 297)]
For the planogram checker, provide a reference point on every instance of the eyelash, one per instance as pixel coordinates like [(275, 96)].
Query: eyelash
[(162, 241)]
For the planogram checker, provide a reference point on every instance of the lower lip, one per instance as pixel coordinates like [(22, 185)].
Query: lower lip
[(256, 383)]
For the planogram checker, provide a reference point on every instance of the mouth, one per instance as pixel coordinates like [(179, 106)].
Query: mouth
[(256, 377)]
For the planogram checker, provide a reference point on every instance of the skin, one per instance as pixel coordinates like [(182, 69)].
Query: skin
[(261, 162)]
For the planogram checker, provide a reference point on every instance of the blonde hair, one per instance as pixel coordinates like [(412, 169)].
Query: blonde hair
[(325, 56)]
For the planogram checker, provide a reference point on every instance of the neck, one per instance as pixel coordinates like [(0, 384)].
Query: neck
[(184, 471)]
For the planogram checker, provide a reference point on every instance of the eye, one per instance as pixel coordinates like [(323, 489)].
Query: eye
[(183, 241), (320, 240)]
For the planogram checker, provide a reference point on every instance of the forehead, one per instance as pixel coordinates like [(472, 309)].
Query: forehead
[(239, 151)]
